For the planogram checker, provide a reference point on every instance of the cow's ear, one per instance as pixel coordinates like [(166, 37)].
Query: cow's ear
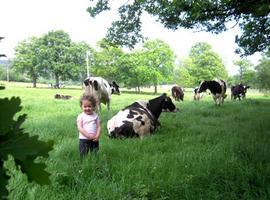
[(115, 84), (86, 82), (95, 85)]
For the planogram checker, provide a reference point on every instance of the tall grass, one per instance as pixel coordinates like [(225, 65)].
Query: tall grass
[(201, 152)]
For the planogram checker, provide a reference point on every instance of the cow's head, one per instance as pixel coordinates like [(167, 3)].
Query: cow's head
[(203, 86), (167, 104), (86, 82), (246, 87), (115, 88)]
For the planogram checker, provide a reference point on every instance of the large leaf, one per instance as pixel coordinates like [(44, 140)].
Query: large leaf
[(8, 109), (23, 147), (3, 181)]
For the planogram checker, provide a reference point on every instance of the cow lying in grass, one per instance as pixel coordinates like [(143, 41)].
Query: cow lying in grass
[(217, 88), (140, 118), (60, 96)]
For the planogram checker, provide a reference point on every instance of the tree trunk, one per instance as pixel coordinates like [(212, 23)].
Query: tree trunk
[(155, 89), (34, 80), (138, 89), (57, 81)]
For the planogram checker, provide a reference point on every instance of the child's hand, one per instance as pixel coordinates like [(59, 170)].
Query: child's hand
[(95, 138), (90, 136)]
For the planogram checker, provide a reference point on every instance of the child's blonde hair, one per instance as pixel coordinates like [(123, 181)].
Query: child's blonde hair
[(90, 98)]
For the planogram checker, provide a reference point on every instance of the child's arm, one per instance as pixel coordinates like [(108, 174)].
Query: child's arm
[(83, 131), (96, 137)]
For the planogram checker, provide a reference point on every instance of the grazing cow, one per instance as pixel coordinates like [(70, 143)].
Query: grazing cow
[(101, 89), (115, 88), (217, 88), (140, 118), (60, 96), (177, 93), (197, 95), (239, 91)]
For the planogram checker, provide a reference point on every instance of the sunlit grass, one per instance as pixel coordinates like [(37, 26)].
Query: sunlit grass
[(201, 152)]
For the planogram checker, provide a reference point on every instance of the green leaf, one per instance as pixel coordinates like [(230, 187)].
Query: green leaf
[(35, 171), (23, 147), (3, 182), (8, 109)]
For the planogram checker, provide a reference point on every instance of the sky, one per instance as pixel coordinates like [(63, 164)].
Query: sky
[(23, 19)]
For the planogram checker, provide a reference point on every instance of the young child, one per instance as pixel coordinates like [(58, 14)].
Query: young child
[(88, 124)]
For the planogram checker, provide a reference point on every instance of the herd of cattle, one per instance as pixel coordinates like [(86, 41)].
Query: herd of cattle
[(141, 117)]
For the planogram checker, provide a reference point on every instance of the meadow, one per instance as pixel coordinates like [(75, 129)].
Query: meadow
[(201, 152)]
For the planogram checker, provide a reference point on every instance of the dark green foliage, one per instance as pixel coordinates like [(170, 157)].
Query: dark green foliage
[(212, 16), (23, 148), (263, 72)]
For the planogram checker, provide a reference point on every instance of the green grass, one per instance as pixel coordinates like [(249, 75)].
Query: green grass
[(201, 152)]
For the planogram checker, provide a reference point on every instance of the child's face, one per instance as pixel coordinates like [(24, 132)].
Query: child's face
[(87, 107)]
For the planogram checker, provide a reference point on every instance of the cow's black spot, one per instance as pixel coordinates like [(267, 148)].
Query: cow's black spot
[(125, 130), (96, 85), (140, 120), (86, 82), (131, 114)]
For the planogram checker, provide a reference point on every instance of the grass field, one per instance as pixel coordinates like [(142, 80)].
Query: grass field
[(201, 152)]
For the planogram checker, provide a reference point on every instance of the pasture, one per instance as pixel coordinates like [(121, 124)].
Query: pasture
[(201, 152)]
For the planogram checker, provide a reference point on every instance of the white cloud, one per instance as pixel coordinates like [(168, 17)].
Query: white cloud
[(23, 19)]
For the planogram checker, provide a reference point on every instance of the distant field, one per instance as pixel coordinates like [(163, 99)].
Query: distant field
[(201, 152)]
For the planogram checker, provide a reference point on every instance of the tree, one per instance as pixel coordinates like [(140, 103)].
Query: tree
[(22, 147), (76, 61), (134, 72), (56, 54), (182, 76), (263, 72), (27, 58), (107, 61), (205, 64), (159, 58), (246, 74), (252, 16)]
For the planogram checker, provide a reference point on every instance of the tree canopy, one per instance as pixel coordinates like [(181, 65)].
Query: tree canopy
[(252, 16), (52, 54), (202, 64), (246, 73), (263, 72)]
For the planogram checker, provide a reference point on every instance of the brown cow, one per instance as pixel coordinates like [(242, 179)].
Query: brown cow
[(177, 93)]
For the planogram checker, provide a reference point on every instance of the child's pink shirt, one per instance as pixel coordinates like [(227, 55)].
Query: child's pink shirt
[(89, 123)]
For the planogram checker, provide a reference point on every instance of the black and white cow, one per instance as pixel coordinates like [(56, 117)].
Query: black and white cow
[(101, 89), (197, 96), (140, 118), (177, 93), (217, 88), (239, 91)]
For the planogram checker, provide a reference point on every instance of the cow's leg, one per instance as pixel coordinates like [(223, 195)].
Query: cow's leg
[(218, 100), (215, 99), (239, 97)]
